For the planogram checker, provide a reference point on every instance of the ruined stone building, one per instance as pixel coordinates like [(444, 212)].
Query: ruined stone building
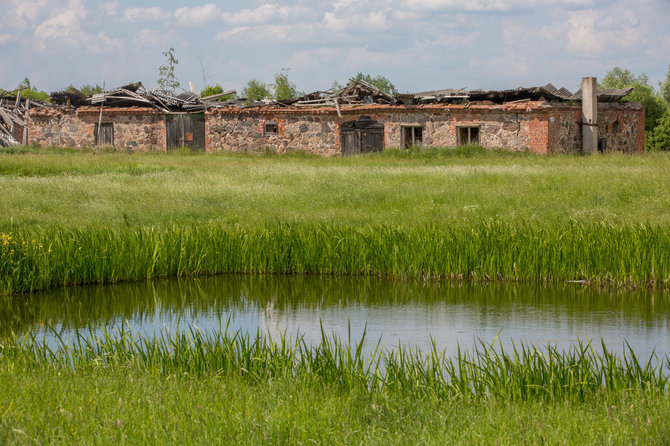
[(357, 119)]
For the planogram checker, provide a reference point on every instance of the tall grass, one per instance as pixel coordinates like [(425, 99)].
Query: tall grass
[(40, 258), (488, 371)]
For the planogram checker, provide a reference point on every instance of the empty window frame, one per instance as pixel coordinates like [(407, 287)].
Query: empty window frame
[(412, 136), (468, 135), (104, 134), (270, 128)]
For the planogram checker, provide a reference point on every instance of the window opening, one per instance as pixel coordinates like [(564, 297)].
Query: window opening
[(412, 136), (616, 126), (468, 135), (271, 128)]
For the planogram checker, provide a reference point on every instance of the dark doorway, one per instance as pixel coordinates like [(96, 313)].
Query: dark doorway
[(185, 130), (362, 136)]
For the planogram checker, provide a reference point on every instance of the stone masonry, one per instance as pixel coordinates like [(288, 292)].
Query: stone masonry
[(537, 126), (135, 128)]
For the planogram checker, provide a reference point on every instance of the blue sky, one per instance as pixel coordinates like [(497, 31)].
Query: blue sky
[(417, 44)]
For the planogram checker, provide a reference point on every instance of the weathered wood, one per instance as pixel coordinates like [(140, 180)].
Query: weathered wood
[(218, 95), (185, 130), (25, 127)]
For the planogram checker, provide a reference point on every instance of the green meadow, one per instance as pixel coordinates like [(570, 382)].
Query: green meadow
[(234, 388), (468, 214), (465, 214)]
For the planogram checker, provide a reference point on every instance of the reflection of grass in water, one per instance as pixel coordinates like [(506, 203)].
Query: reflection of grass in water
[(40, 258), (522, 373), (217, 296)]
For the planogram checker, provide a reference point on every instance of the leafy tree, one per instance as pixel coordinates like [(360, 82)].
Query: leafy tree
[(665, 88), (211, 90), (643, 93), (29, 91), (336, 86), (166, 77), (90, 90), (283, 87), (256, 90), (659, 139), (380, 82)]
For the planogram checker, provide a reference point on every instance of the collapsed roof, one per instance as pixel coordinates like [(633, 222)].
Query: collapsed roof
[(355, 93), (547, 93), (14, 117)]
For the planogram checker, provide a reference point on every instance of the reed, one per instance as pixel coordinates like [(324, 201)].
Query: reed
[(36, 258), (525, 373)]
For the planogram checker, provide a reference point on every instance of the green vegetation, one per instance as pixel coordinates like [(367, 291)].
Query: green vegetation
[(283, 87), (253, 390), (211, 90), (380, 82), (167, 80), (107, 217), (30, 91), (656, 104), (255, 91), (36, 258)]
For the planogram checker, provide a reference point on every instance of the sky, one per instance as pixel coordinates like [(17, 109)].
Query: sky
[(417, 44)]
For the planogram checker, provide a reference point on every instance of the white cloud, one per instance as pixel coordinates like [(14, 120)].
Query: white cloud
[(593, 32), (63, 31), (110, 8), (5, 38), (146, 14), (265, 13), (493, 6), (152, 37), (199, 15)]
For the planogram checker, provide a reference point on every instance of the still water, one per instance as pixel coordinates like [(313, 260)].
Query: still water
[(409, 312)]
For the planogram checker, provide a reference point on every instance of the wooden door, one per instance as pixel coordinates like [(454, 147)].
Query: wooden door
[(351, 143), (372, 140), (362, 136), (185, 130), (104, 134)]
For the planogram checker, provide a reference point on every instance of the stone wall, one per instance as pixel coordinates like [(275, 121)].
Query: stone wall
[(135, 129), (532, 126), (318, 130)]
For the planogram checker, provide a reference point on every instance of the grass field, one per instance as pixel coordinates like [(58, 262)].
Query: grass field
[(249, 391), (70, 217), (397, 188)]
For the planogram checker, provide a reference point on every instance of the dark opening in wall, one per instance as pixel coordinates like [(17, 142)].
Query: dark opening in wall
[(602, 144), (468, 135), (412, 136), (616, 126), (270, 128), (104, 134)]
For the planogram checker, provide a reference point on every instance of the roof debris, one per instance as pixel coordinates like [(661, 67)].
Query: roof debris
[(14, 118), (136, 95), (13, 114)]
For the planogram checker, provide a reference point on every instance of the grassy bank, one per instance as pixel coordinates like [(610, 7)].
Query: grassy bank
[(35, 258), (69, 217), (252, 390)]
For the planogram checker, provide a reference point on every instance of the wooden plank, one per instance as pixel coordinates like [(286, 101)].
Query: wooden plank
[(6, 117), (219, 95), (25, 127)]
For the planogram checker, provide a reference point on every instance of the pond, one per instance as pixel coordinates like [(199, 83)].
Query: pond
[(392, 312)]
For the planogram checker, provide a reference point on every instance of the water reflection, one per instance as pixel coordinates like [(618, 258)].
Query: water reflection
[(407, 312)]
